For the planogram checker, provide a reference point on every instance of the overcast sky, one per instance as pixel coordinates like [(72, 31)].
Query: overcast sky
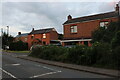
[(23, 16)]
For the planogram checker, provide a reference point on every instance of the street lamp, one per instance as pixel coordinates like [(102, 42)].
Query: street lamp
[(8, 30), (7, 37), (1, 31)]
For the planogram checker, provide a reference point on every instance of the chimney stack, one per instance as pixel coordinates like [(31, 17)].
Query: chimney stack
[(19, 33), (69, 17), (117, 8), (32, 29)]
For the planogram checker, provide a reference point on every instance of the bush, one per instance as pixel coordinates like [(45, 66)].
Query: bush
[(75, 53), (102, 53), (98, 55), (116, 58), (49, 52), (105, 35), (116, 40), (18, 46)]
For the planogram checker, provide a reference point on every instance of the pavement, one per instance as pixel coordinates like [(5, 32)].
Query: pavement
[(23, 66)]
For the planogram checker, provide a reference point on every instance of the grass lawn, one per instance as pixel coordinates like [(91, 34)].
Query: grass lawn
[(17, 51)]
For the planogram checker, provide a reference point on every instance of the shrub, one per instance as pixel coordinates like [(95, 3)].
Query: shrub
[(105, 35), (103, 55), (116, 58), (49, 52), (19, 46), (116, 40), (99, 54), (75, 53)]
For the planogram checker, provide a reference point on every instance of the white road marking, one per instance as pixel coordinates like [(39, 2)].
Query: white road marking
[(45, 74), (15, 64), (12, 64), (49, 68), (38, 65), (8, 73)]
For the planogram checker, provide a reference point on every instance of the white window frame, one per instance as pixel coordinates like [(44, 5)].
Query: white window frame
[(44, 35), (25, 39), (73, 29), (32, 36), (104, 23)]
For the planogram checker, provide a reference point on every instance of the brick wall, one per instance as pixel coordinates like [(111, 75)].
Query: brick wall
[(22, 38), (84, 29), (53, 35), (49, 36)]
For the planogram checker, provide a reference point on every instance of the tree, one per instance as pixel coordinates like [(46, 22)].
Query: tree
[(6, 40), (19, 46), (97, 35), (116, 40), (106, 35)]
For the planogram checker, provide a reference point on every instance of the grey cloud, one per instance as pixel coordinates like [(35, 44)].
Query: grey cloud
[(106, 7), (42, 15)]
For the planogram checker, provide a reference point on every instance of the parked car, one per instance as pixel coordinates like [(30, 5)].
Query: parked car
[(57, 44), (6, 47), (69, 46)]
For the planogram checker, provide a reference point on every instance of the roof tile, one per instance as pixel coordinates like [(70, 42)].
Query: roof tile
[(92, 17)]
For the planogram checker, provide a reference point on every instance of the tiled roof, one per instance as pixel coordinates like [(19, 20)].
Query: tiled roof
[(25, 34), (92, 17), (41, 31)]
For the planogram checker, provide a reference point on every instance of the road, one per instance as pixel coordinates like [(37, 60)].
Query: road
[(13, 67)]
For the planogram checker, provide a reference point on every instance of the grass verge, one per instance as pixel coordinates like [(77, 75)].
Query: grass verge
[(16, 51)]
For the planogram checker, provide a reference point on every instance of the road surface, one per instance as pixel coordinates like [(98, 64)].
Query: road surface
[(13, 67)]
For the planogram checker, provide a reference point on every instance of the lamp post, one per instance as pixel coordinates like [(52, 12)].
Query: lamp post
[(1, 32), (7, 37), (8, 30)]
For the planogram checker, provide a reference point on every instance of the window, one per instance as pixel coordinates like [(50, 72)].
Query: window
[(44, 35), (73, 29), (25, 39), (104, 24), (32, 36)]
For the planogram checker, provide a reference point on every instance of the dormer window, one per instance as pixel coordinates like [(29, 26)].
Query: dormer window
[(73, 29), (44, 35)]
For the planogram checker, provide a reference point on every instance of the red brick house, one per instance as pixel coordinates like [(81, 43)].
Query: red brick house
[(42, 36), (22, 37), (78, 30)]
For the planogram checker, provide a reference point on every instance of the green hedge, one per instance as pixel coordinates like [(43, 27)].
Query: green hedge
[(99, 55), (18, 46)]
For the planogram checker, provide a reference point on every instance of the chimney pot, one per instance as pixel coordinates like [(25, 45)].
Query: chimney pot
[(32, 29), (117, 7), (69, 17), (19, 33)]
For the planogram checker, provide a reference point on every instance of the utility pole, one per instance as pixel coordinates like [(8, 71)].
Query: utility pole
[(1, 38), (1, 32), (7, 37), (8, 30)]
